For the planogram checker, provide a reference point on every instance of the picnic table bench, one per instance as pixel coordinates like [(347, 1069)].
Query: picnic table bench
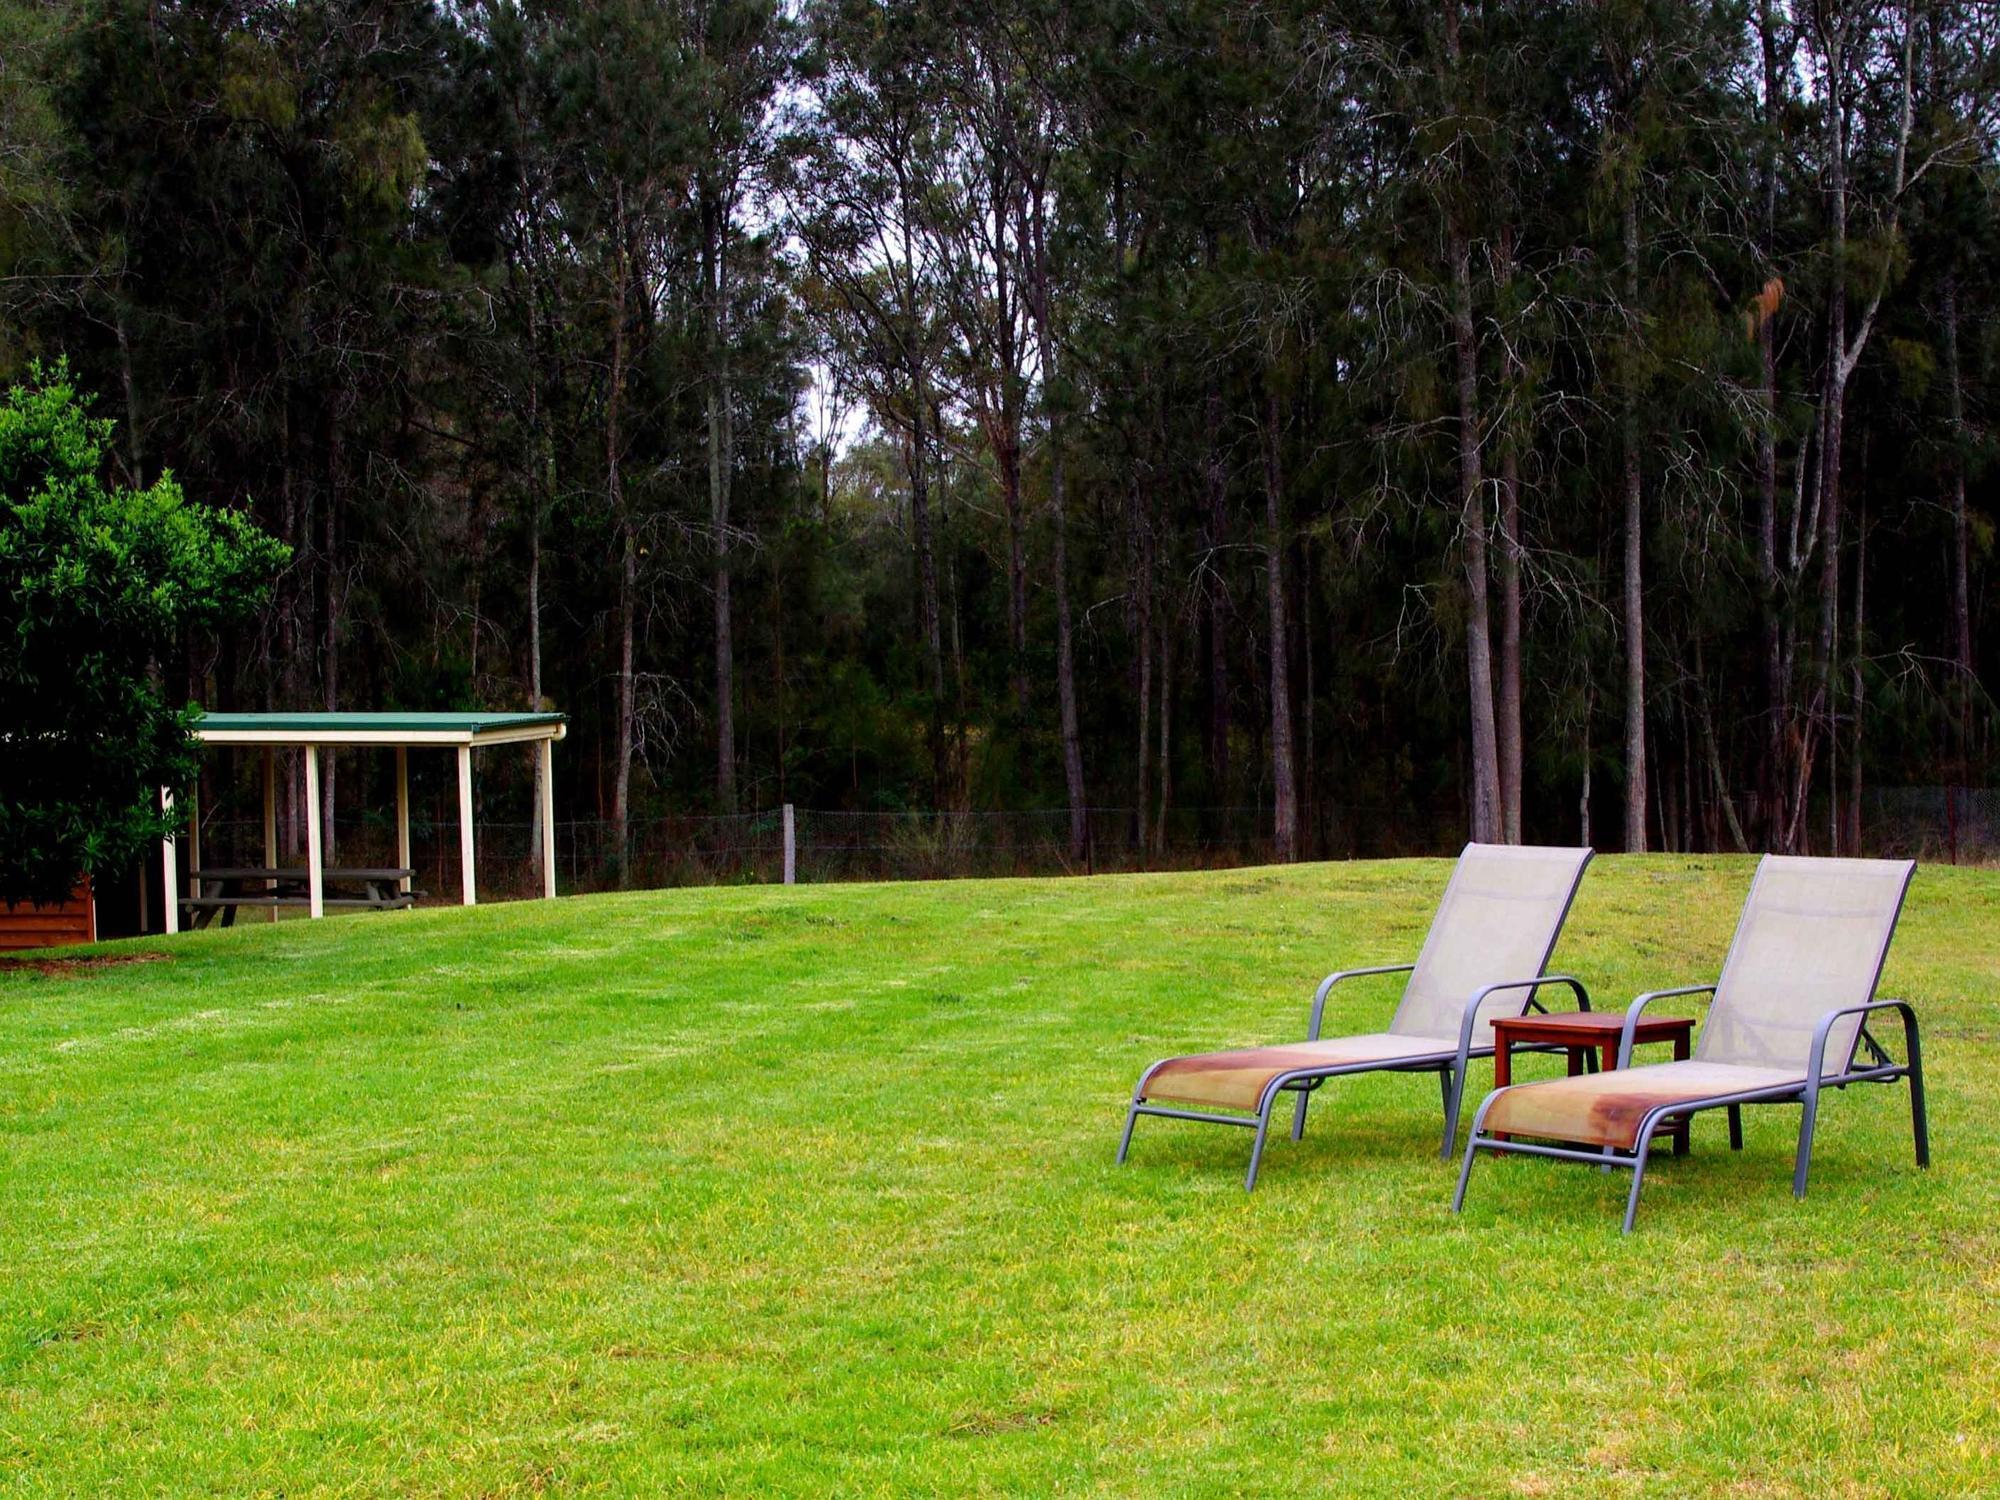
[(225, 888)]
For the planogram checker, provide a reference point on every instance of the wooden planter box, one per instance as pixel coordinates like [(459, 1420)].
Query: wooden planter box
[(74, 921)]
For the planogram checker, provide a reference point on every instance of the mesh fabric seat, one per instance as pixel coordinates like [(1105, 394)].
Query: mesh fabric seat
[(1485, 955), (1787, 1018)]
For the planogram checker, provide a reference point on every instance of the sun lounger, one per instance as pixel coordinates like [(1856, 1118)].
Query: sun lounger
[(1789, 1020), (1488, 946)]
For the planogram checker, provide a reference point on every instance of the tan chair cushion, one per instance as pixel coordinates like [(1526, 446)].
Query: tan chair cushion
[(1604, 1109), (1237, 1080)]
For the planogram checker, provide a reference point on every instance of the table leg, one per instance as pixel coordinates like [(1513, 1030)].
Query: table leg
[(1575, 1056), (1503, 1066)]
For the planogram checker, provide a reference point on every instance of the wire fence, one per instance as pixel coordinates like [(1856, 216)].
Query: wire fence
[(1937, 824), (1934, 824), (711, 849)]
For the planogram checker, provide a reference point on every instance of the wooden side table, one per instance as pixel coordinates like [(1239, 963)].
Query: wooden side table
[(1584, 1033)]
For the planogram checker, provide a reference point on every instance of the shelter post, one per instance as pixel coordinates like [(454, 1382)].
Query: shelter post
[(545, 766), (194, 838), (403, 813), (315, 872), (170, 884), (467, 893), (271, 823)]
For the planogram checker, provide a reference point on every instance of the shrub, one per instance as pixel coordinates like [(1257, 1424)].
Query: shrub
[(95, 581)]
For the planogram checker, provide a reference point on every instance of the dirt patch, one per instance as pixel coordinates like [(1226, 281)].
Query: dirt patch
[(62, 967)]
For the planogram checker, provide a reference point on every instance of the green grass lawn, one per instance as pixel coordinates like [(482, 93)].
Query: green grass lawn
[(811, 1191)]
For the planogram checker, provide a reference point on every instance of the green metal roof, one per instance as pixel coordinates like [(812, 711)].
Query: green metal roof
[(381, 728)]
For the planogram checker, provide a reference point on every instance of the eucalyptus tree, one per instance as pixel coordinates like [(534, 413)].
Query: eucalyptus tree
[(617, 81), (973, 220), (874, 154), (740, 57), (1031, 136), (1377, 405)]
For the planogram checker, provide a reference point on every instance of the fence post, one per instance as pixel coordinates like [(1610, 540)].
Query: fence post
[(791, 848)]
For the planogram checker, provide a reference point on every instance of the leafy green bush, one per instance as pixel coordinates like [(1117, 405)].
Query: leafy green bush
[(94, 581)]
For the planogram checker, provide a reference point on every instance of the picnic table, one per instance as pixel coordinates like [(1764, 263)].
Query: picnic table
[(224, 888)]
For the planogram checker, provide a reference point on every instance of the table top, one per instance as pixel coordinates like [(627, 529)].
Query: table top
[(1593, 1025)]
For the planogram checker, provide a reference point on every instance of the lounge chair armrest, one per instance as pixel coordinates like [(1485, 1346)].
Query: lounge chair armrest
[(1825, 1028), (1471, 1016), (1326, 988), (1638, 1006)]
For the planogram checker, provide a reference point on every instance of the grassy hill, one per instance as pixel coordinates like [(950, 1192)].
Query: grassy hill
[(811, 1191)]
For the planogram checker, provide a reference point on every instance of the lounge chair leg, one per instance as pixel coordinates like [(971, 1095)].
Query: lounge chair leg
[(1639, 1172), (1735, 1127), (1125, 1141), (1471, 1145), (1804, 1163), (1919, 1116), (1465, 1172), (1299, 1115), (1257, 1147), (1454, 1092)]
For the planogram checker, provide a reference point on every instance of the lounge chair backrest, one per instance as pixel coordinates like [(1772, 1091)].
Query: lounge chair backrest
[(1813, 936), (1499, 920)]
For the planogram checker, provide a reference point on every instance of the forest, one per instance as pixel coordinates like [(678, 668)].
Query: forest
[(1366, 424)]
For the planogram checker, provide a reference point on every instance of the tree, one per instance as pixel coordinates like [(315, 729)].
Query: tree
[(1355, 421), (877, 158), (95, 579)]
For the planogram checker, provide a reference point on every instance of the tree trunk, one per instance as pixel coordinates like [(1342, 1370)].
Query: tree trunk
[(1216, 601), (1635, 616), (1821, 720), (1843, 355), (628, 715), (1583, 795), (1006, 440), (1041, 305), (778, 694), (1961, 536), (721, 473), (628, 565), (1777, 706), (1486, 827), (1857, 693), (1166, 626), (535, 680), (1142, 634), (962, 712), (1485, 799), (1713, 754), (927, 589), (332, 608), (1072, 744), (1007, 453), (291, 644), (133, 435), (1312, 822), (1507, 711), (1777, 709), (541, 489), (1284, 770)]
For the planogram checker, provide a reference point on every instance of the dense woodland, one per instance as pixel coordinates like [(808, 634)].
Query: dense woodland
[(1524, 419)]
